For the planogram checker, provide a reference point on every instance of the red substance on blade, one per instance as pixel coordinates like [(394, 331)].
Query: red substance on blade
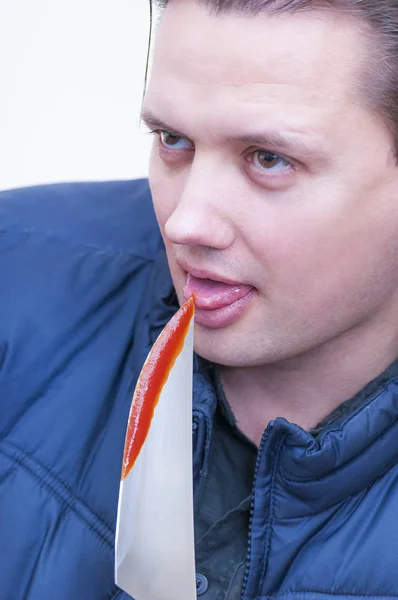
[(150, 383)]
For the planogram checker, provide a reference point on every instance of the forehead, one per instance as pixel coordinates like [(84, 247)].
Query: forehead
[(234, 67)]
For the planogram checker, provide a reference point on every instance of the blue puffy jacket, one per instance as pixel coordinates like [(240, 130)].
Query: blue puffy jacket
[(85, 290)]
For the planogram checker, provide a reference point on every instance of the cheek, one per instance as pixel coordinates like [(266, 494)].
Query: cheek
[(302, 256), (316, 265), (283, 244)]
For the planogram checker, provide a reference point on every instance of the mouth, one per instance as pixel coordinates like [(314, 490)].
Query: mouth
[(217, 303)]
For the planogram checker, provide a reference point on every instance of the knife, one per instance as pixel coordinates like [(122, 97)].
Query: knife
[(155, 556)]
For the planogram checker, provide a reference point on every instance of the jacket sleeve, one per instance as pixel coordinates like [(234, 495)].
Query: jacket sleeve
[(75, 261)]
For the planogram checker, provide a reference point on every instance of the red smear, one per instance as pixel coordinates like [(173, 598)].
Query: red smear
[(153, 376)]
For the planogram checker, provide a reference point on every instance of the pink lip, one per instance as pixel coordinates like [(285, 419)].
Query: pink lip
[(218, 303)]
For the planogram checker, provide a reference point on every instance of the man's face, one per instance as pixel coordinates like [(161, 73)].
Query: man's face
[(275, 187)]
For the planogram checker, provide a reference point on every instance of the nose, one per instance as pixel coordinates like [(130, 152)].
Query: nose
[(201, 216)]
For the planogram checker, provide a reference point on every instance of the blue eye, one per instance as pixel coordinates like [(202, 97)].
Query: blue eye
[(269, 161), (173, 141)]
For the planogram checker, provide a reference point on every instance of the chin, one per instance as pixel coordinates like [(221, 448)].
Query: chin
[(224, 348), (239, 347)]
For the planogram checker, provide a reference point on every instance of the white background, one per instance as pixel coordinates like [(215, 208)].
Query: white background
[(71, 82)]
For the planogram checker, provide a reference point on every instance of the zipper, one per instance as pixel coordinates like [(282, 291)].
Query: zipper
[(249, 543)]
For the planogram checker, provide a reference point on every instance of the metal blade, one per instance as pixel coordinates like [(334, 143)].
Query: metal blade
[(154, 534)]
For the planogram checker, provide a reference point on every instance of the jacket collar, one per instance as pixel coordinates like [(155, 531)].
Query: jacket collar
[(352, 449)]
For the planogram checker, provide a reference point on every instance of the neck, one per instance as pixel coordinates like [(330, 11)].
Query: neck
[(307, 388)]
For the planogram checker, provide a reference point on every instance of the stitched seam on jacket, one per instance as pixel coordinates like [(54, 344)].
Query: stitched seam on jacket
[(51, 236), (34, 567), (270, 528), (58, 489)]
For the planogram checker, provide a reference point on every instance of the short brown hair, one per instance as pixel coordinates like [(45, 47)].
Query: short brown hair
[(380, 23)]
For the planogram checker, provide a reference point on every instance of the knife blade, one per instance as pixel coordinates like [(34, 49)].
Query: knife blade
[(154, 557)]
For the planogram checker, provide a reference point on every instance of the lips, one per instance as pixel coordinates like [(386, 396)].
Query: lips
[(210, 294), (217, 303)]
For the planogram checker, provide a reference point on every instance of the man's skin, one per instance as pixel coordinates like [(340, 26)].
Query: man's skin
[(313, 229)]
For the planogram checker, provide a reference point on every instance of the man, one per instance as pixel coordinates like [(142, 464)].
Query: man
[(273, 177)]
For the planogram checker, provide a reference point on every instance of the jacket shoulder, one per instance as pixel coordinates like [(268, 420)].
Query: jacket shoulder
[(116, 215)]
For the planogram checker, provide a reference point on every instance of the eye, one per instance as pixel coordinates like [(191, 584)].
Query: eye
[(269, 162), (173, 141)]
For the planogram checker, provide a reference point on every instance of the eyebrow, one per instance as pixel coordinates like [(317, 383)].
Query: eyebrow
[(285, 142), (153, 122)]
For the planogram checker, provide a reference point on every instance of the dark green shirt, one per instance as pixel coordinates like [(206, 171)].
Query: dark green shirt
[(223, 507)]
